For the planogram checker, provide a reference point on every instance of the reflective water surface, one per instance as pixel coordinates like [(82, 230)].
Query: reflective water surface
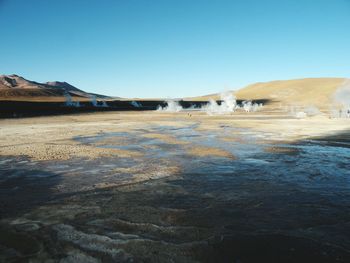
[(270, 201)]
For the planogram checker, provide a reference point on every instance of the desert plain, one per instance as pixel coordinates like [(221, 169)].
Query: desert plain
[(204, 179), (187, 186)]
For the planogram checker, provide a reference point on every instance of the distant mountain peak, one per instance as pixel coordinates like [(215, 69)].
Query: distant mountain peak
[(8, 81), (17, 83), (14, 76)]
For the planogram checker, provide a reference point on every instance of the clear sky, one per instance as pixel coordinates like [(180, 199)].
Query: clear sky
[(173, 48)]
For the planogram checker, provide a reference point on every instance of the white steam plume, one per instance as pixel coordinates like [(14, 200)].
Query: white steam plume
[(69, 101), (228, 104), (303, 112), (172, 106), (341, 98), (95, 103), (136, 104)]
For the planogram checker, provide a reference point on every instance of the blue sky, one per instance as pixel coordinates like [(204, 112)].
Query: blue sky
[(173, 48)]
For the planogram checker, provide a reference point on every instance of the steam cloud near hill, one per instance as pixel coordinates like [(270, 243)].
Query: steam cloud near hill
[(228, 105), (340, 107), (70, 103), (172, 106), (341, 98)]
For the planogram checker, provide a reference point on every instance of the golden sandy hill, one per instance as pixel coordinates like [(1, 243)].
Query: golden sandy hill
[(310, 91)]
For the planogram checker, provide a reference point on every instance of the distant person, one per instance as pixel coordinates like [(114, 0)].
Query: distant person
[(348, 113)]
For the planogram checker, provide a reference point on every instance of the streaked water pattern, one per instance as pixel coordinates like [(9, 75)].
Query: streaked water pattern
[(286, 206)]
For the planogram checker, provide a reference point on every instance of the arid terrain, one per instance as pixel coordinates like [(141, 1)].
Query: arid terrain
[(149, 186), (317, 92), (261, 178), (174, 131)]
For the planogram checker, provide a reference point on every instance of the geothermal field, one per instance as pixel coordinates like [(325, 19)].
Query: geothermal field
[(255, 177)]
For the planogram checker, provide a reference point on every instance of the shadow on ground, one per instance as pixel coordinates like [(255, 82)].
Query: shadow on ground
[(24, 186)]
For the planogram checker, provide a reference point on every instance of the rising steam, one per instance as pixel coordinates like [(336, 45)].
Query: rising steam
[(136, 104), (227, 105), (341, 98), (171, 106), (301, 112), (69, 101), (96, 103)]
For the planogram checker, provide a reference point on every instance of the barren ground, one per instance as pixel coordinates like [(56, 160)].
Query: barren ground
[(154, 186), (47, 138)]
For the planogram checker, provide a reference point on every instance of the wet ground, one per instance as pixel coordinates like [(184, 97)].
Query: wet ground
[(266, 201)]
